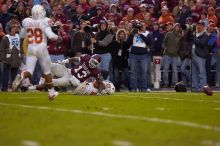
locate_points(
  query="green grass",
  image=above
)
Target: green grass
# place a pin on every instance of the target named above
(101, 120)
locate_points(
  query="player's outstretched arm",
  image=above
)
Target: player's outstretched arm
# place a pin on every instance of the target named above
(70, 60)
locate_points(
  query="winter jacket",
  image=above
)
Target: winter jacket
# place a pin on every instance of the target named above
(201, 45)
(171, 43)
(10, 51)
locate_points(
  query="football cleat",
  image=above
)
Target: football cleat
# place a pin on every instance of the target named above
(16, 82)
(53, 96)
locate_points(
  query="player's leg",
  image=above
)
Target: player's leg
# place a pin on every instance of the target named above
(25, 75)
(45, 64)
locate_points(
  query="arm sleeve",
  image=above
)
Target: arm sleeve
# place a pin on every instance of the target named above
(50, 34)
(106, 41)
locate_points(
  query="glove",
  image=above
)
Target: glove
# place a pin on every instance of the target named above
(62, 61)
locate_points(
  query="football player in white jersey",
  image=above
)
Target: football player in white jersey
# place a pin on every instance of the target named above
(91, 88)
(37, 28)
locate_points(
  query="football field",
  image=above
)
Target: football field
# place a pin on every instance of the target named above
(122, 119)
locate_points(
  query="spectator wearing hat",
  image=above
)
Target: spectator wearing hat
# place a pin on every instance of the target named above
(157, 55)
(212, 33)
(80, 15)
(130, 15)
(200, 52)
(113, 13)
(169, 27)
(171, 45)
(166, 16)
(102, 43)
(92, 10)
(211, 15)
(70, 10)
(99, 16)
(11, 55)
(14, 19)
(143, 10)
(5, 16)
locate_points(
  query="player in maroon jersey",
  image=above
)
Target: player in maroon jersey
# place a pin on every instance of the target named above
(87, 67)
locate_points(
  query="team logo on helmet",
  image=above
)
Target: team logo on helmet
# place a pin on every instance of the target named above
(95, 61)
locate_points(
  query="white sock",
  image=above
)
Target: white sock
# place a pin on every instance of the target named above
(31, 88)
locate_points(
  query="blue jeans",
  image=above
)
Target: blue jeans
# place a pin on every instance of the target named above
(106, 59)
(185, 73)
(167, 60)
(199, 78)
(139, 65)
(216, 59)
(55, 58)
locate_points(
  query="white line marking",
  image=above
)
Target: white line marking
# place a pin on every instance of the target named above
(121, 143)
(217, 109)
(29, 143)
(176, 99)
(130, 117)
(160, 108)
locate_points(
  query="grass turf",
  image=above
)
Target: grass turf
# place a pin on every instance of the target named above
(76, 120)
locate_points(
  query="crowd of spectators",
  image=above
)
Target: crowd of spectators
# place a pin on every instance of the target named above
(144, 44)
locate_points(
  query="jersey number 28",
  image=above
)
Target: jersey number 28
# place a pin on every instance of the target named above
(35, 35)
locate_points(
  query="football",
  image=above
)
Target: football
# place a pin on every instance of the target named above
(207, 90)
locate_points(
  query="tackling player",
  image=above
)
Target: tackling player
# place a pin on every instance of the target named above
(87, 67)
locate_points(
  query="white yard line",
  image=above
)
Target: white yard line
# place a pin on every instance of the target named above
(130, 117)
(175, 99)
(121, 143)
(29, 143)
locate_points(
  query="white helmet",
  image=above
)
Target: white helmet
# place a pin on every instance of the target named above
(109, 87)
(38, 11)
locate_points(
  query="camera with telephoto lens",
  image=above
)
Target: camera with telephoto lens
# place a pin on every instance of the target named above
(90, 29)
(55, 29)
(136, 26)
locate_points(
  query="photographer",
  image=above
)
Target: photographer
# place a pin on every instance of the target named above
(140, 41)
(102, 44)
(200, 52)
(58, 48)
(78, 38)
(185, 52)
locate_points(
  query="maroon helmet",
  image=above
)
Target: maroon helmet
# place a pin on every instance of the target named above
(95, 61)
